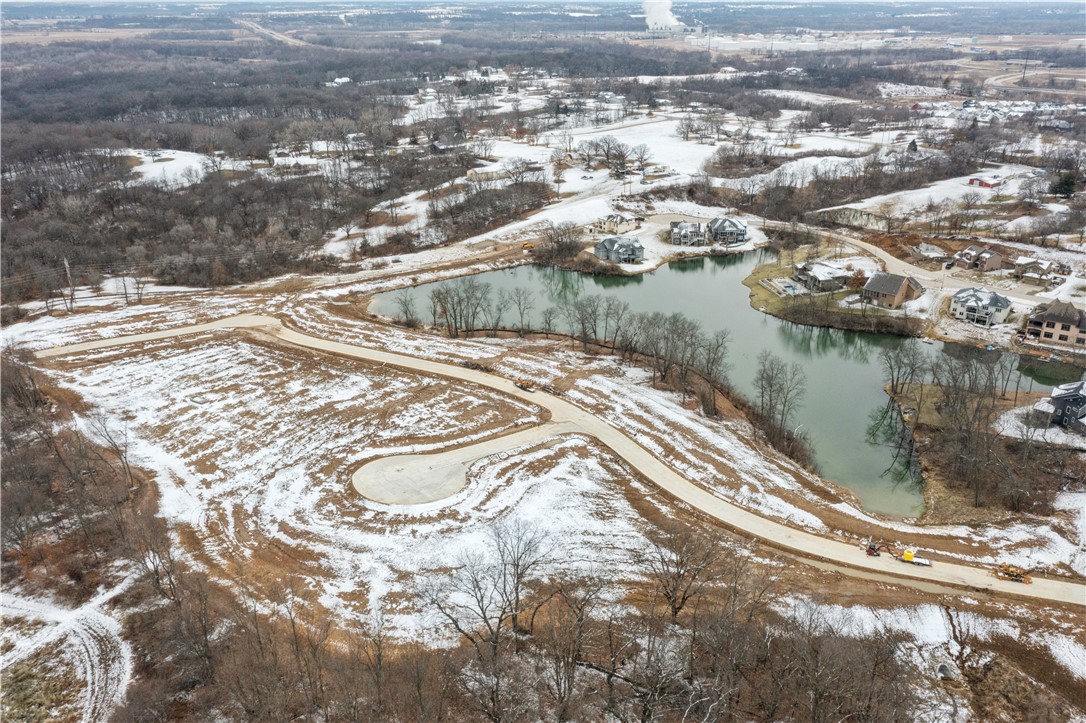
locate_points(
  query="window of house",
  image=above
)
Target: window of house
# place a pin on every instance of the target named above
(1080, 341)
(1051, 325)
(1065, 327)
(1063, 337)
(1048, 335)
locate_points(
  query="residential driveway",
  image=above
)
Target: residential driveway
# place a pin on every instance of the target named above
(572, 418)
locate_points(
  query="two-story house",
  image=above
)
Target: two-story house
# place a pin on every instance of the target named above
(1058, 322)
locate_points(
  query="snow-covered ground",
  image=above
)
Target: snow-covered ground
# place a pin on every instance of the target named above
(1012, 423)
(807, 97)
(951, 189)
(937, 634)
(251, 444)
(89, 638)
(797, 173)
(901, 90)
(171, 169)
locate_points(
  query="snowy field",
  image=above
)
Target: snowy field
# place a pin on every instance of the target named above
(254, 446)
(951, 189)
(938, 635)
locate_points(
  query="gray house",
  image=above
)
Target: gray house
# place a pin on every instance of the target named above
(980, 306)
(728, 231)
(1066, 407)
(620, 249)
(687, 233)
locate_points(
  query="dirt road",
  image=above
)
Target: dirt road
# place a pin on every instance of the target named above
(571, 417)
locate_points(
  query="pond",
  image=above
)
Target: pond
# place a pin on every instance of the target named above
(844, 375)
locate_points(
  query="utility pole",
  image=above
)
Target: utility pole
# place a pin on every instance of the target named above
(71, 287)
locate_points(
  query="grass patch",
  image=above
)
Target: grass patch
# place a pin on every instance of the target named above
(42, 687)
(761, 296)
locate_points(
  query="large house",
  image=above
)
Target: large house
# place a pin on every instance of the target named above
(1058, 322)
(620, 249)
(891, 290)
(822, 275)
(982, 259)
(728, 231)
(1033, 271)
(687, 233)
(980, 306)
(1066, 406)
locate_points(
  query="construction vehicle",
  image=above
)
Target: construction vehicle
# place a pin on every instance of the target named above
(910, 557)
(527, 245)
(876, 549)
(524, 384)
(1007, 571)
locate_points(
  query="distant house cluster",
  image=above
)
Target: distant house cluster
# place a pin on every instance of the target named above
(980, 306)
(890, 291)
(1058, 322)
(1028, 269)
(726, 231)
(620, 249)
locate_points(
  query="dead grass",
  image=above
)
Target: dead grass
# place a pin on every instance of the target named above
(44, 686)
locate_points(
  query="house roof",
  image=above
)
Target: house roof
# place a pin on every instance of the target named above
(1060, 311)
(884, 283)
(1069, 390)
(824, 270)
(1045, 405)
(982, 297)
(621, 243)
(727, 223)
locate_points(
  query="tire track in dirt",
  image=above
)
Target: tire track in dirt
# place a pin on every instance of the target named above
(92, 637)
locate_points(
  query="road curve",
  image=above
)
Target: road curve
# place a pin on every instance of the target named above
(743, 521)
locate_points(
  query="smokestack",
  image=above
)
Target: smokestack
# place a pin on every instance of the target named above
(658, 14)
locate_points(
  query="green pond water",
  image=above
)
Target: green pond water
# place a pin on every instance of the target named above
(844, 375)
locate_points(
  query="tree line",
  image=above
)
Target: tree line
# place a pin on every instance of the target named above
(960, 401)
(675, 348)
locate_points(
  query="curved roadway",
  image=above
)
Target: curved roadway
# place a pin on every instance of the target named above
(574, 418)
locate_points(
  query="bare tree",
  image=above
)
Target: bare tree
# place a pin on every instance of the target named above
(524, 303)
(680, 563)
